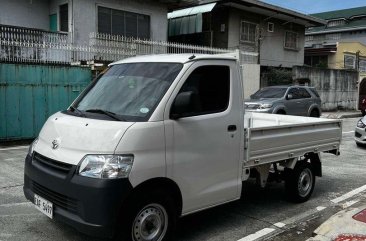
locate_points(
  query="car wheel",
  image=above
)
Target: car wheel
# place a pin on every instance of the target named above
(314, 113)
(300, 182)
(149, 216)
(281, 112)
(363, 112)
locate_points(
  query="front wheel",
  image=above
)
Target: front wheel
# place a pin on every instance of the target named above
(150, 216)
(314, 113)
(300, 182)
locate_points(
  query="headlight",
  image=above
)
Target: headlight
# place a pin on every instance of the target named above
(106, 166)
(265, 106)
(360, 124)
(32, 146)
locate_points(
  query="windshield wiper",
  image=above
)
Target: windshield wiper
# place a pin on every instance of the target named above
(107, 113)
(76, 110)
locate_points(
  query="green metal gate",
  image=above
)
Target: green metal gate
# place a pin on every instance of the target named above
(29, 94)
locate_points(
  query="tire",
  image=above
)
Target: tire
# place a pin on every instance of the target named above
(360, 145)
(281, 112)
(300, 182)
(314, 113)
(363, 112)
(147, 216)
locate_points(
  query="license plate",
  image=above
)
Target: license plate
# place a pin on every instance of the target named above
(46, 207)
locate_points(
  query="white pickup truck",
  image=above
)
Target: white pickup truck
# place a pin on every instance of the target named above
(159, 137)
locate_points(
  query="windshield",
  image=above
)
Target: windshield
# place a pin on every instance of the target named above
(129, 91)
(269, 93)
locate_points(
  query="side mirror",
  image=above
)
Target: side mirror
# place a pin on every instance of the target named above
(289, 97)
(182, 105)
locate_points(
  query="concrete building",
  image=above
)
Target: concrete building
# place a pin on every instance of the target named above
(275, 34)
(340, 43)
(79, 18)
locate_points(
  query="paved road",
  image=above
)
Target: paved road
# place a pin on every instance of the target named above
(260, 210)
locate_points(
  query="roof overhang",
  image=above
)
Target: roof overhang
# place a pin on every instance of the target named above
(326, 50)
(192, 10)
(335, 30)
(275, 12)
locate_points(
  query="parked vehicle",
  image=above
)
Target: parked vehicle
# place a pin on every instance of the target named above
(160, 137)
(286, 100)
(360, 132)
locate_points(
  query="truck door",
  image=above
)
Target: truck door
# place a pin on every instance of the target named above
(203, 147)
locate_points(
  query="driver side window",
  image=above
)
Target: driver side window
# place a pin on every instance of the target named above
(210, 87)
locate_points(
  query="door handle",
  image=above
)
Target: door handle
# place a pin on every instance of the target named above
(231, 128)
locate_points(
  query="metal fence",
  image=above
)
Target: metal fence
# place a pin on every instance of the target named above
(32, 46)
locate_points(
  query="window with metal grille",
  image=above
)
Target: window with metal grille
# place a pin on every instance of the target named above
(124, 23)
(362, 65)
(64, 18)
(336, 23)
(291, 40)
(248, 32)
(349, 61)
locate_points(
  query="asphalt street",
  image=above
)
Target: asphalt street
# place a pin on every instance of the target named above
(260, 214)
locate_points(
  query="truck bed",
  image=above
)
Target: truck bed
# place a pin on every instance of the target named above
(270, 138)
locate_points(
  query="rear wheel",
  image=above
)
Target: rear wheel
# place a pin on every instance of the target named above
(300, 182)
(149, 216)
(281, 112)
(314, 113)
(360, 144)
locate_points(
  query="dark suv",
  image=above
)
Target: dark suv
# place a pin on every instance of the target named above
(286, 100)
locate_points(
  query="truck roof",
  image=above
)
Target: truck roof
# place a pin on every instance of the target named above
(176, 58)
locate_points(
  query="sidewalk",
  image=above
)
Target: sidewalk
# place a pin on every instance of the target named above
(346, 225)
(341, 114)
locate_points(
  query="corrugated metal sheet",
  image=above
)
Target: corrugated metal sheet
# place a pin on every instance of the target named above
(29, 94)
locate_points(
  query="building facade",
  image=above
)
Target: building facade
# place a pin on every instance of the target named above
(273, 36)
(79, 18)
(341, 43)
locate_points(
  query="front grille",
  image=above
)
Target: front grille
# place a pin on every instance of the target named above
(51, 164)
(358, 135)
(57, 199)
(252, 106)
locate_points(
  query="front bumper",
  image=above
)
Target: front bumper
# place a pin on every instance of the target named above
(360, 135)
(270, 110)
(90, 205)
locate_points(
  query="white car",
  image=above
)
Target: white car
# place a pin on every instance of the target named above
(360, 132)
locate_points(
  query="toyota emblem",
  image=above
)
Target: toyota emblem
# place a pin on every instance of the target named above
(55, 144)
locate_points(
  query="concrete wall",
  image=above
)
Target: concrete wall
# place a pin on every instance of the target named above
(25, 13)
(251, 79)
(337, 88)
(272, 51)
(84, 20)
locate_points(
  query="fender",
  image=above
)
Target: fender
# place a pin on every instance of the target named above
(314, 106)
(279, 107)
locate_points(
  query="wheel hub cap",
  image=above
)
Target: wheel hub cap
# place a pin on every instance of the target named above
(150, 224)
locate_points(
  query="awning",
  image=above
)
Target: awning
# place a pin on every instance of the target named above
(189, 20)
(192, 11)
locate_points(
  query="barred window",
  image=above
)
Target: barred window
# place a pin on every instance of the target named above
(248, 32)
(124, 23)
(349, 61)
(291, 40)
(362, 65)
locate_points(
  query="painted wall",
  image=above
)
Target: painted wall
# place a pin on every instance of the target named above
(337, 88)
(336, 61)
(272, 51)
(29, 94)
(84, 20)
(25, 13)
(251, 79)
